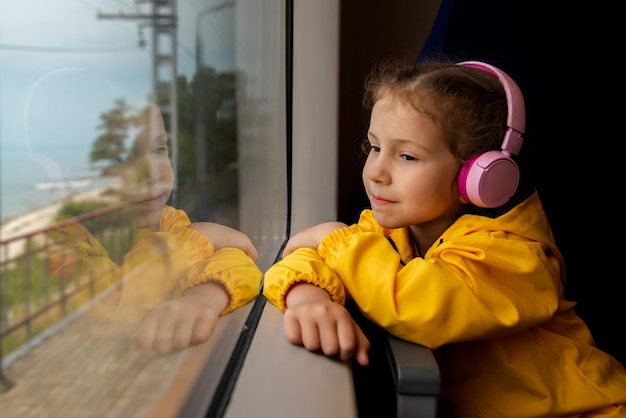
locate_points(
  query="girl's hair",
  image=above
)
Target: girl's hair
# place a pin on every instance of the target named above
(467, 104)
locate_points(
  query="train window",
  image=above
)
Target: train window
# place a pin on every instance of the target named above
(97, 96)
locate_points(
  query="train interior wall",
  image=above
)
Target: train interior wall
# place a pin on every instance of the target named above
(565, 61)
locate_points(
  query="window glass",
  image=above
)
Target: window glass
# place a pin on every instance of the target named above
(96, 95)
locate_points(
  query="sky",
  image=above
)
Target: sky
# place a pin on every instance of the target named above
(61, 67)
(57, 44)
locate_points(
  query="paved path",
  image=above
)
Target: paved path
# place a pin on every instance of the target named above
(82, 371)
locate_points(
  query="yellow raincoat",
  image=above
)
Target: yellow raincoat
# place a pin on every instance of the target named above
(165, 260)
(487, 297)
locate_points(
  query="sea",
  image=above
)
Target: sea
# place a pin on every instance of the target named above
(30, 181)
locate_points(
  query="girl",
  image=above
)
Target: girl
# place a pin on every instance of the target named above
(176, 277)
(455, 254)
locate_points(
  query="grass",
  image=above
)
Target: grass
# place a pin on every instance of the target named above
(41, 299)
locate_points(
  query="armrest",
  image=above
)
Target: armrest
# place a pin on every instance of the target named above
(416, 376)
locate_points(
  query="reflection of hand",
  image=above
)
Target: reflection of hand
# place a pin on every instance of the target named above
(311, 237)
(317, 323)
(222, 236)
(178, 323)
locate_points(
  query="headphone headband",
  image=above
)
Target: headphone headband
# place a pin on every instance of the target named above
(516, 119)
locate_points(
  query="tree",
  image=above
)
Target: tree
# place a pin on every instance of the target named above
(111, 145)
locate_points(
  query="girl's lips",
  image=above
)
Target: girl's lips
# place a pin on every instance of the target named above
(380, 201)
(154, 200)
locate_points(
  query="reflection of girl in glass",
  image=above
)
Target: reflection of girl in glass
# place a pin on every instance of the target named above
(176, 277)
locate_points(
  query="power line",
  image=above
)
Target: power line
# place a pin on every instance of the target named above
(67, 49)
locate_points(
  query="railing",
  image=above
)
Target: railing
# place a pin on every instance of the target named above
(34, 301)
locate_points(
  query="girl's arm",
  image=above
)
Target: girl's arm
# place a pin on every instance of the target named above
(312, 297)
(311, 237)
(460, 291)
(222, 236)
(211, 288)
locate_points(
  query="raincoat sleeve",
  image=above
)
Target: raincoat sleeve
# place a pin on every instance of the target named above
(166, 263)
(479, 285)
(234, 269)
(302, 265)
(159, 263)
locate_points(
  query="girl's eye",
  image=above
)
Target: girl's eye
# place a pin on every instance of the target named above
(407, 157)
(374, 148)
(159, 151)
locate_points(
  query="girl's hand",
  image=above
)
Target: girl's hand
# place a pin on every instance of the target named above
(311, 237)
(179, 323)
(315, 322)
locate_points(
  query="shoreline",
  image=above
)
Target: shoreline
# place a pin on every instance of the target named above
(12, 229)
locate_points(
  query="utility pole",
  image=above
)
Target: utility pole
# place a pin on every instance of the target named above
(163, 20)
(204, 160)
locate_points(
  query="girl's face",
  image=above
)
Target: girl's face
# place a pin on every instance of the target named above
(410, 176)
(149, 177)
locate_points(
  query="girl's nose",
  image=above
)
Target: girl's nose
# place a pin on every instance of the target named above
(376, 169)
(147, 170)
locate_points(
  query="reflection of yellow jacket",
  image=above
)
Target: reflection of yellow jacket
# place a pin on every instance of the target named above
(487, 297)
(166, 259)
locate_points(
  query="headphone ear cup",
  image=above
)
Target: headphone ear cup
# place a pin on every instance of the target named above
(488, 180)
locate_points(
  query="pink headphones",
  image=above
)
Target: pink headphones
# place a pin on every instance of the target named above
(490, 179)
